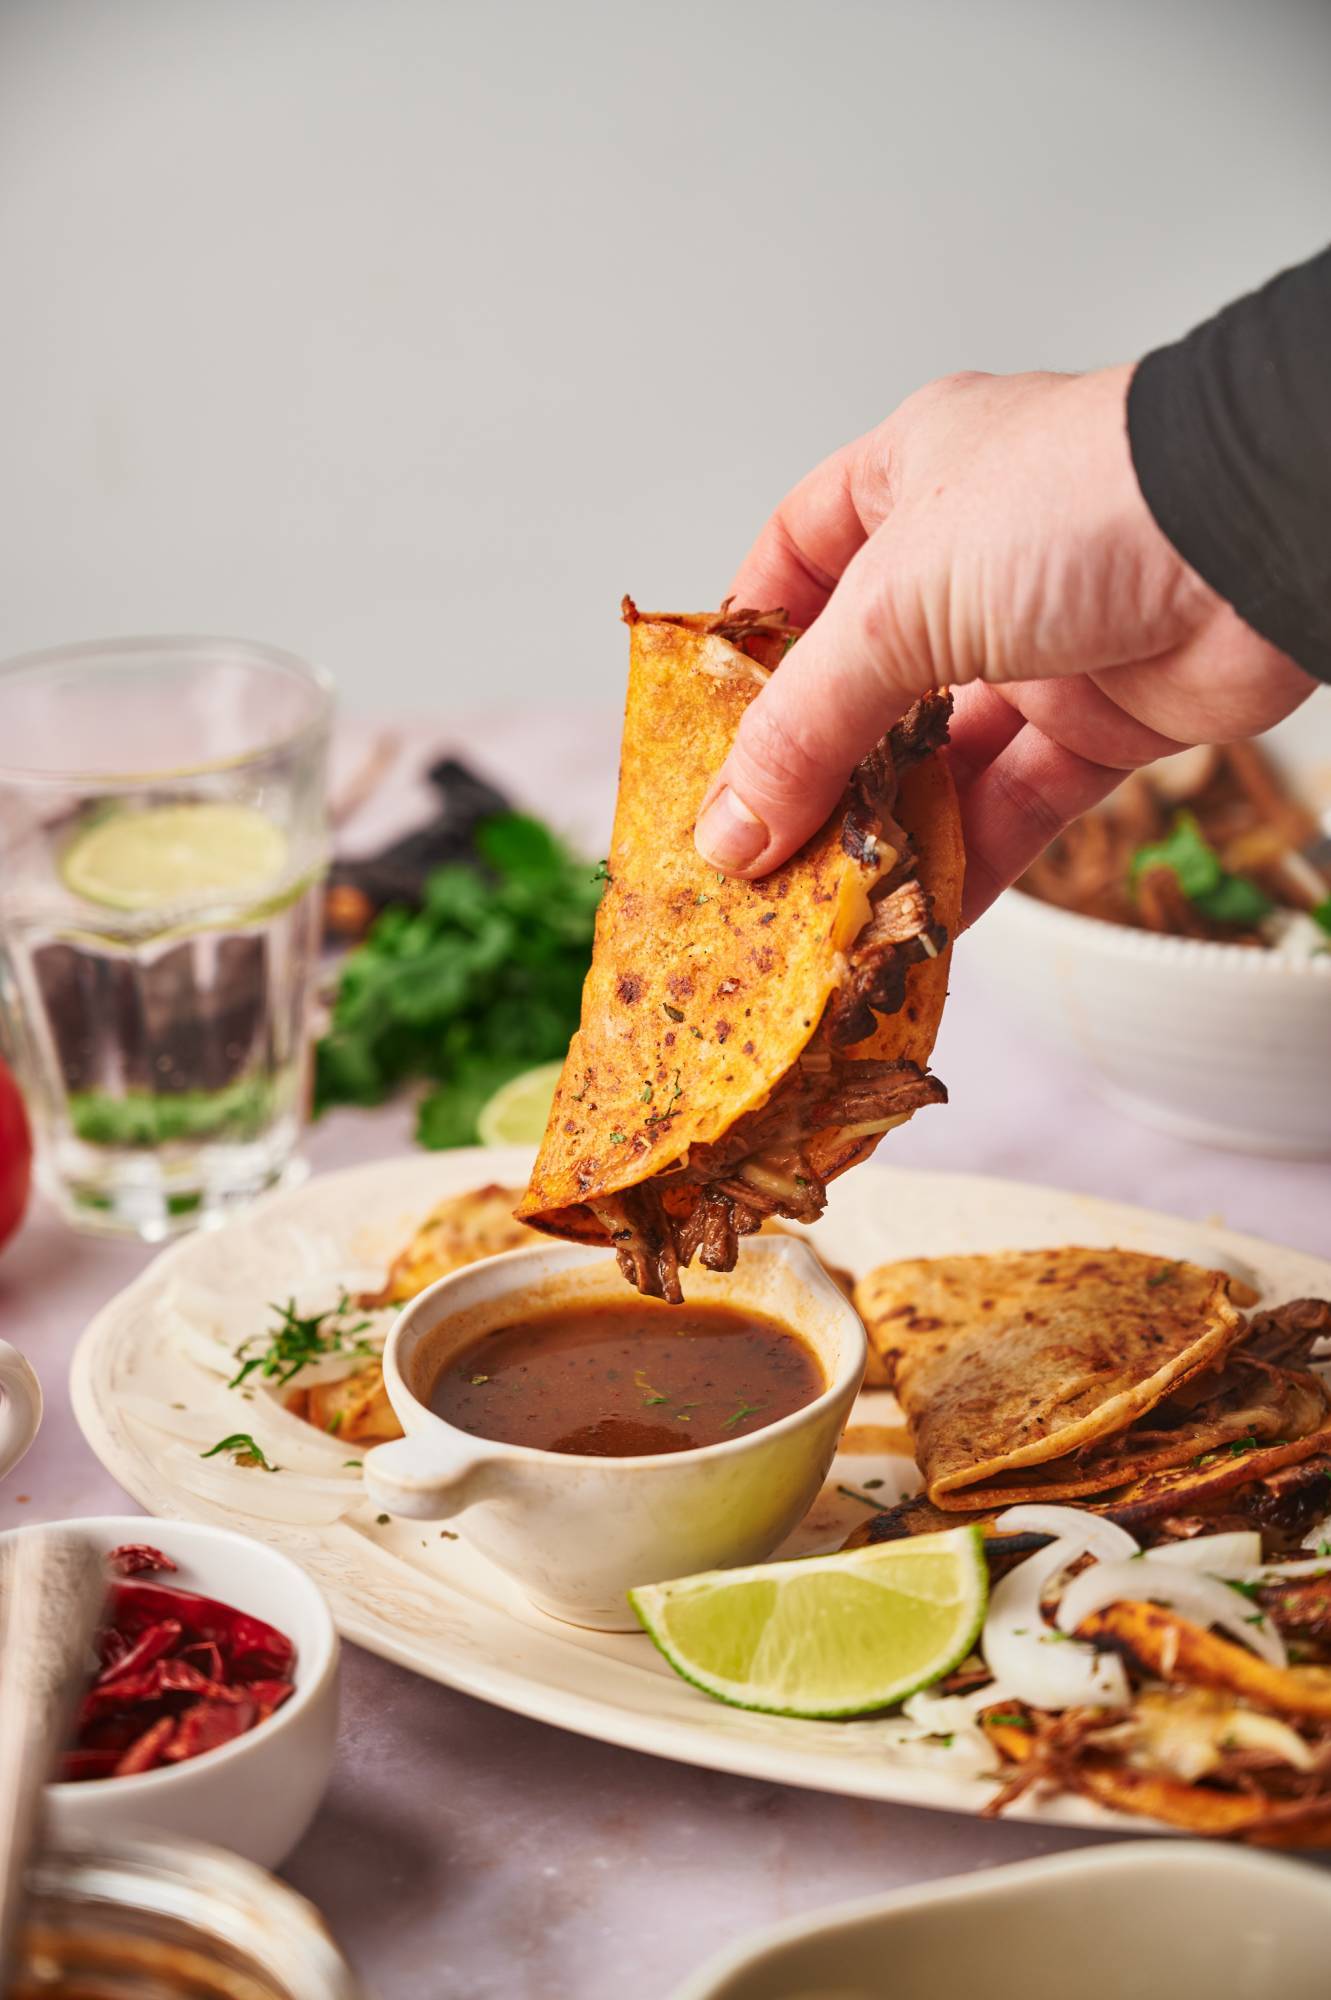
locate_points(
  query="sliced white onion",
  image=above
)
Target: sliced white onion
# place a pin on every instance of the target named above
(1319, 1535)
(1026, 1656)
(1092, 1533)
(1291, 1571)
(1233, 1554)
(939, 1713)
(1249, 1729)
(1202, 1599)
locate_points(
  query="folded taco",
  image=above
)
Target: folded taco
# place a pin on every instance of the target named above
(744, 1042)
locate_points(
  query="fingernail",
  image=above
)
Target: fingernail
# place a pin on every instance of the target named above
(728, 834)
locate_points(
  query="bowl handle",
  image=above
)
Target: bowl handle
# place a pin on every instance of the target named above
(21, 1409)
(426, 1480)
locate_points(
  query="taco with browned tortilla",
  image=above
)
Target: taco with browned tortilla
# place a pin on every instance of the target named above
(742, 1043)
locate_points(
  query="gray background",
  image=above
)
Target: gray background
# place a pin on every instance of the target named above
(409, 334)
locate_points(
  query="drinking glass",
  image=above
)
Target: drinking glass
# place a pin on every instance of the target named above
(162, 849)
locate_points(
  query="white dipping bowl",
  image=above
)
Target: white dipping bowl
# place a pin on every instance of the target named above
(578, 1532)
(257, 1794)
(1214, 1042)
(1153, 1920)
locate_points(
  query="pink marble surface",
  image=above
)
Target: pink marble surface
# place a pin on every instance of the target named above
(466, 1852)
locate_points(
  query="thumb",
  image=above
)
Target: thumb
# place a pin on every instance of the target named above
(834, 695)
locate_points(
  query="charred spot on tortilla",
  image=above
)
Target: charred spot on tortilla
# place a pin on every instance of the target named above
(841, 1005)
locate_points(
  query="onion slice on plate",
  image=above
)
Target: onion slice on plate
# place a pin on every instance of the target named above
(1237, 1553)
(1092, 1533)
(1203, 1599)
(1033, 1661)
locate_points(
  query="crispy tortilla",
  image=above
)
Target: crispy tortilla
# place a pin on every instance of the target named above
(1250, 1815)
(713, 1000)
(1175, 1649)
(460, 1230)
(1015, 1360)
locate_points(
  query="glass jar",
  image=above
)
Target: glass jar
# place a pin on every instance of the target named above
(144, 1918)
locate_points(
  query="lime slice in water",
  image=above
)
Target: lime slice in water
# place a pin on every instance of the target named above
(160, 855)
(829, 1635)
(519, 1111)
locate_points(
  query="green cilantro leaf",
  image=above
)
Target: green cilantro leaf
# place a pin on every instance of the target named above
(1200, 874)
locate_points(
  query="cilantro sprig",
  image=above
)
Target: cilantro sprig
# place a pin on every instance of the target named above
(299, 1339)
(484, 981)
(244, 1449)
(1201, 875)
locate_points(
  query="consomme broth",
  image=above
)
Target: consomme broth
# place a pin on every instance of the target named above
(617, 1378)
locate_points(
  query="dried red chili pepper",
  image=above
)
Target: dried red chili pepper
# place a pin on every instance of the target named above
(140, 1653)
(149, 1751)
(179, 1675)
(132, 1558)
(208, 1725)
(245, 1642)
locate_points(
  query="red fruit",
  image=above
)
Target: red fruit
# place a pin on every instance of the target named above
(15, 1156)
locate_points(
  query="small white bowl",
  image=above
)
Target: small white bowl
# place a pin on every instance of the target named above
(255, 1795)
(1220, 1043)
(578, 1532)
(1156, 1920)
(1214, 1042)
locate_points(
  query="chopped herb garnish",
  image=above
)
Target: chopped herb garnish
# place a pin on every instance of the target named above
(617, 1137)
(1258, 1618)
(696, 1033)
(737, 1417)
(1323, 1547)
(871, 1485)
(1002, 1719)
(675, 1013)
(1163, 1276)
(645, 1094)
(800, 1181)
(298, 1339)
(944, 1742)
(1321, 914)
(243, 1448)
(853, 1493)
(603, 872)
(352, 1464)
(1248, 1590)
(334, 1424)
(700, 899)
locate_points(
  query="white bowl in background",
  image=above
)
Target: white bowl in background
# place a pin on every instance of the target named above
(1154, 1920)
(1220, 1043)
(255, 1795)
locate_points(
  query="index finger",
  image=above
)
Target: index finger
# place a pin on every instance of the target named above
(797, 559)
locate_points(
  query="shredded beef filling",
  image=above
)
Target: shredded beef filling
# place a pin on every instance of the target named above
(761, 1167)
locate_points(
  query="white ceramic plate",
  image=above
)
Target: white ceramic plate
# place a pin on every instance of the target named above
(149, 1390)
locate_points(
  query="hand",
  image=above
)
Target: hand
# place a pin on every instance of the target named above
(990, 536)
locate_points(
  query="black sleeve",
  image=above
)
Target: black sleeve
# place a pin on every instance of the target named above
(1230, 432)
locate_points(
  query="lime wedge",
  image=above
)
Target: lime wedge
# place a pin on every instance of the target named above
(519, 1111)
(829, 1635)
(151, 858)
